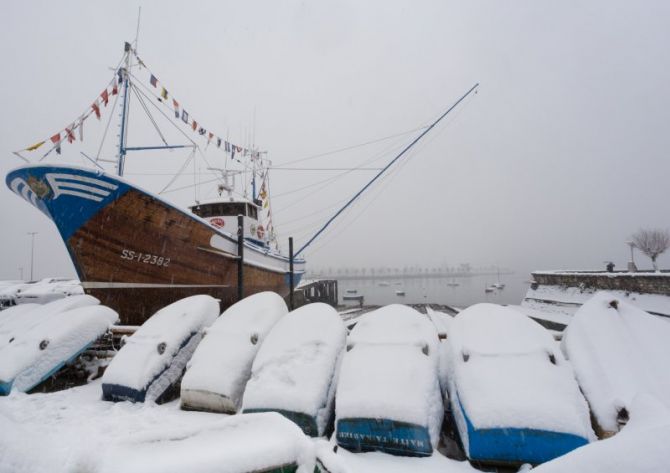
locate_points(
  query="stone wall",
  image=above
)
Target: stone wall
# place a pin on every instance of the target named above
(645, 283)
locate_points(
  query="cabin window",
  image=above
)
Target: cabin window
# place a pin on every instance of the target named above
(225, 209)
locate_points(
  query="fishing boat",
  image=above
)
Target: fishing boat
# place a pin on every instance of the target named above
(137, 252)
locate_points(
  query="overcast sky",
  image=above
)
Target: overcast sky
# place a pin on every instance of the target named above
(561, 155)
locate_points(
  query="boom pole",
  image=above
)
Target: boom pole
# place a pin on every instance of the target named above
(407, 148)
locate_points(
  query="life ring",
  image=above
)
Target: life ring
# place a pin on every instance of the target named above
(260, 231)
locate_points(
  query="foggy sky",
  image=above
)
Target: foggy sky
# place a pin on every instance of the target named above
(561, 155)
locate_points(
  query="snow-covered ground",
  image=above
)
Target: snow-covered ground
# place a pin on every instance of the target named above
(75, 431)
(563, 302)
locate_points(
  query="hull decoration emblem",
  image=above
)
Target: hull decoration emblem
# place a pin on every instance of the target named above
(79, 186)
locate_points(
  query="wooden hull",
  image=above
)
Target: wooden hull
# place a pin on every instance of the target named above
(136, 252)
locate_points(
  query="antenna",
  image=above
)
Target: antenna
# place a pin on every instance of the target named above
(137, 32)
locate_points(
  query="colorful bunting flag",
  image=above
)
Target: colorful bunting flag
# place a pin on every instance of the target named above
(35, 146)
(115, 89)
(56, 141)
(105, 97)
(202, 131)
(120, 74)
(195, 125)
(184, 116)
(153, 80)
(96, 109)
(164, 93)
(69, 133)
(227, 147)
(176, 108)
(209, 137)
(218, 142)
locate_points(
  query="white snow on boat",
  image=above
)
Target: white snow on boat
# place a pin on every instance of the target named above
(294, 370)
(39, 352)
(513, 395)
(15, 311)
(25, 321)
(617, 351)
(154, 357)
(388, 394)
(221, 365)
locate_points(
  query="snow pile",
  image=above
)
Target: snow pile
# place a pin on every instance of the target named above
(390, 370)
(294, 369)
(506, 371)
(343, 461)
(40, 351)
(154, 357)
(238, 444)
(22, 322)
(640, 447)
(221, 365)
(617, 351)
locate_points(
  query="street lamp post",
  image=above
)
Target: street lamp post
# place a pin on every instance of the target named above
(631, 264)
(32, 252)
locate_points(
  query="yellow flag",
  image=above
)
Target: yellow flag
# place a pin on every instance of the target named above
(35, 146)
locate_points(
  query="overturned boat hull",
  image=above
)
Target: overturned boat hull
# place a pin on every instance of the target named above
(384, 435)
(138, 253)
(516, 446)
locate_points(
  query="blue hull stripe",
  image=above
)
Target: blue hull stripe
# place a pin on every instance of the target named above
(515, 446)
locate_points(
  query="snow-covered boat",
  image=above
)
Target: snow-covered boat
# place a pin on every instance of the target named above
(617, 351)
(513, 395)
(40, 351)
(20, 321)
(293, 372)
(155, 356)
(48, 290)
(221, 365)
(388, 393)
(138, 252)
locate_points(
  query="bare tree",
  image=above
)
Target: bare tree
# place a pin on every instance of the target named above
(651, 242)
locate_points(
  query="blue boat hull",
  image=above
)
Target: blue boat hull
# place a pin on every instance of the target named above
(384, 435)
(516, 446)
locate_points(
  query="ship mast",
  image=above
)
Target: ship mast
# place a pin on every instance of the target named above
(124, 112)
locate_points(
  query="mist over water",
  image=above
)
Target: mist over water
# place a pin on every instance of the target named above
(436, 290)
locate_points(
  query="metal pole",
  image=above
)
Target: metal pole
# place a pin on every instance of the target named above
(240, 257)
(122, 135)
(290, 273)
(32, 252)
(407, 148)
